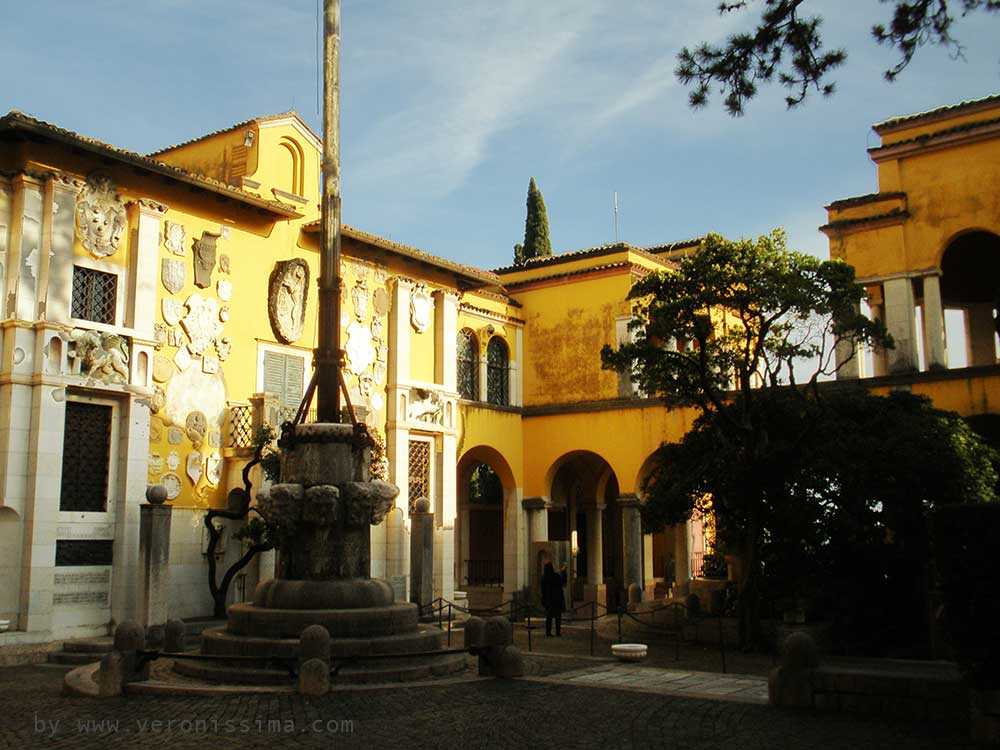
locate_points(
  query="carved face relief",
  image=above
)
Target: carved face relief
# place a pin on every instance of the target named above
(286, 301)
(173, 311)
(420, 308)
(377, 329)
(173, 461)
(204, 259)
(172, 483)
(173, 237)
(172, 274)
(157, 400)
(359, 298)
(100, 217)
(223, 346)
(360, 352)
(201, 322)
(163, 368)
(195, 427)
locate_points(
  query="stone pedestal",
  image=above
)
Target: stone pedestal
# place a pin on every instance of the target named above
(421, 554)
(154, 557)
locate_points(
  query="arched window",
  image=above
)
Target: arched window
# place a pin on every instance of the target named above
(497, 372)
(468, 365)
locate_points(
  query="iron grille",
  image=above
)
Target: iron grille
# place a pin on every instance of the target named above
(95, 295)
(86, 451)
(84, 552)
(240, 426)
(468, 365)
(420, 471)
(497, 373)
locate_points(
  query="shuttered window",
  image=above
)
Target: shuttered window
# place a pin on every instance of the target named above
(283, 376)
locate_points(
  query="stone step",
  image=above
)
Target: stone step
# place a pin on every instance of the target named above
(219, 641)
(100, 645)
(194, 627)
(73, 657)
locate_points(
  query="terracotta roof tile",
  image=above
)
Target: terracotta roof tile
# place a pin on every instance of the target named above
(906, 120)
(237, 126)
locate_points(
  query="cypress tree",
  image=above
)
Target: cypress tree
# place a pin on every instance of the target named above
(536, 228)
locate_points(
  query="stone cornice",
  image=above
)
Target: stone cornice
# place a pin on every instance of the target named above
(148, 205)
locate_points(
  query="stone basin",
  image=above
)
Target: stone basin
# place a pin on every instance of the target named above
(629, 651)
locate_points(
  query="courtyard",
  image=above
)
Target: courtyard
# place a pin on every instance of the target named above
(544, 709)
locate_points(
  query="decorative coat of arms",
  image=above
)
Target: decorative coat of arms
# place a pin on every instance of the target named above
(172, 274)
(100, 217)
(213, 468)
(173, 237)
(195, 465)
(201, 322)
(420, 308)
(225, 289)
(204, 258)
(359, 297)
(288, 291)
(360, 352)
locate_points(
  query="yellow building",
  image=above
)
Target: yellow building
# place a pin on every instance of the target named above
(927, 245)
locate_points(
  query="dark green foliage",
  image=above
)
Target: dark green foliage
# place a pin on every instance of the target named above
(965, 554)
(536, 228)
(713, 565)
(787, 45)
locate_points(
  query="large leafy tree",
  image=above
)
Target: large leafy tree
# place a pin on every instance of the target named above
(786, 44)
(536, 228)
(725, 332)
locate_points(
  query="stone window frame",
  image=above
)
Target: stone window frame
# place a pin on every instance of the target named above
(492, 369)
(473, 363)
(120, 294)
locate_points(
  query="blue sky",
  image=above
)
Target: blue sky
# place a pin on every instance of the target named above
(449, 107)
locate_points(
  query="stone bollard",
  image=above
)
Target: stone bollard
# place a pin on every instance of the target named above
(634, 596)
(491, 640)
(314, 661)
(118, 668)
(421, 554)
(791, 683)
(174, 636)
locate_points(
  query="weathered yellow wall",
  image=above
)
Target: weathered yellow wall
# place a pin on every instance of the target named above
(274, 170)
(212, 156)
(422, 351)
(496, 429)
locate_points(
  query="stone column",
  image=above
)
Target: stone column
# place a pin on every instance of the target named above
(445, 339)
(537, 509)
(682, 559)
(421, 554)
(154, 562)
(631, 539)
(980, 334)
(880, 356)
(396, 434)
(594, 590)
(144, 252)
(647, 566)
(935, 354)
(849, 359)
(900, 319)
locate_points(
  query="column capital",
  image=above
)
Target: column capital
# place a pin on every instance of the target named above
(536, 503)
(148, 206)
(629, 499)
(447, 295)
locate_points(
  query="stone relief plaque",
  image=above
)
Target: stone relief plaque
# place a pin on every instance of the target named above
(380, 301)
(173, 311)
(224, 288)
(157, 400)
(173, 460)
(379, 372)
(102, 356)
(377, 401)
(209, 364)
(204, 258)
(175, 337)
(155, 429)
(155, 463)
(163, 368)
(173, 237)
(194, 466)
(420, 308)
(175, 435)
(100, 217)
(224, 263)
(377, 329)
(159, 336)
(172, 483)
(213, 468)
(224, 313)
(359, 298)
(425, 406)
(182, 358)
(201, 322)
(382, 352)
(172, 274)
(288, 291)
(360, 352)
(195, 427)
(215, 439)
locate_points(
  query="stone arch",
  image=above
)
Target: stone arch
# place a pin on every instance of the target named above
(970, 282)
(487, 500)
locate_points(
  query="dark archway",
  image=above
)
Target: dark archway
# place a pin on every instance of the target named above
(970, 286)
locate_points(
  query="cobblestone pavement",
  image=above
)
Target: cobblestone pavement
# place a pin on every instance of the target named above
(473, 714)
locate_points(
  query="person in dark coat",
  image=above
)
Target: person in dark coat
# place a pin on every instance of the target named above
(552, 597)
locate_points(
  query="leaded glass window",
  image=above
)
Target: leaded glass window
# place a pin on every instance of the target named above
(497, 372)
(468, 365)
(419, 484)
(94, 295)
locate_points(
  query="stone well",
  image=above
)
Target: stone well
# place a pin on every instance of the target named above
(325, 507)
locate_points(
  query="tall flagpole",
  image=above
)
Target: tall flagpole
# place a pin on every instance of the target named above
(328, 353)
